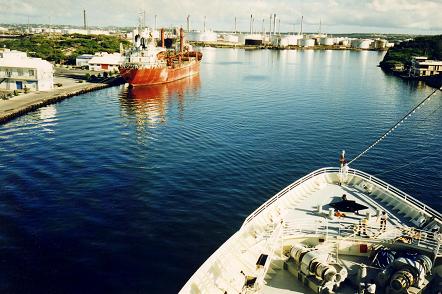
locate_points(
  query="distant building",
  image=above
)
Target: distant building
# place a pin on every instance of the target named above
(361, 43)
(421, 66)
(83, 60)
(18, 71)
(206, 36)
(105, 62)
(230, 38)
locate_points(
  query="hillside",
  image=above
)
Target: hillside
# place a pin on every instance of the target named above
(402, 53)
(63, 48)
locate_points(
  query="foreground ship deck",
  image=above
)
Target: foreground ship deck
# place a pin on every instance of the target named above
(294, 243)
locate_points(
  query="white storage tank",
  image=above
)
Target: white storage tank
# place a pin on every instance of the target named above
(207, 36)
(290, 40)
(241, 39)
(230, 38)
(327, 41)
(343, 42)
(361, 43)
(380, 44)
(284, 41)
(307, 42)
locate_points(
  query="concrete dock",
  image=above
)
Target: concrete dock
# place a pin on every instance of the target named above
(24, 103)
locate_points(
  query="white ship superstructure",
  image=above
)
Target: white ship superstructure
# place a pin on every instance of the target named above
(299, 242)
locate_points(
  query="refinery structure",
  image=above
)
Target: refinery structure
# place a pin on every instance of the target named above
(264, 33)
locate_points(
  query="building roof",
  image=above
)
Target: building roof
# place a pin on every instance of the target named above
(105, 58)
(85, 56)
(17, 59)
(431, 62)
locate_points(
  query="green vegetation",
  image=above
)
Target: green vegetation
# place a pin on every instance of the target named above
(401, 54)
(64, 49)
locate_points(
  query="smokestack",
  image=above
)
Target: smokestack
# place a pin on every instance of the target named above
(188, 23)
(279, 26)
(84, 19)
(270, 26)
(144, 19)
(235, 24)
(302, 19)
(181, 40)
(162, 37)
(274, 23)
(262, 32)
(251, 19)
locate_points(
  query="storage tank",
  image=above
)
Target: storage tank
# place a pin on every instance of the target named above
(380, 44)
(344, 42)
(207, 36)
(284, 41)
(307, 42)
(361, 43)
(230, 38)
(327, 41)
(241, 39)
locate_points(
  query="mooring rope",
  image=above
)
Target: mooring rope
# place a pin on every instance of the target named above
(382, 137)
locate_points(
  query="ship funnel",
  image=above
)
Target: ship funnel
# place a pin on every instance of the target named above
(162, 38)
(181, 40)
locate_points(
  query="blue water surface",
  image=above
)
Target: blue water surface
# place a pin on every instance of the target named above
(129, 191)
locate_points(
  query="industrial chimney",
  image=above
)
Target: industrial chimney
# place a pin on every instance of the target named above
(84, 19)
(188, 23)
(274, 24)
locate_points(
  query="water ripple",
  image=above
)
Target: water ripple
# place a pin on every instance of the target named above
(122, 185)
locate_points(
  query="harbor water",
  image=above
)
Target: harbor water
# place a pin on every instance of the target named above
(130, 191)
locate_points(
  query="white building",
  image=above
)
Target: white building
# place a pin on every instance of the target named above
(83, 60)
(206, 36)
(18, 71)
(421, 66)
(104, 61)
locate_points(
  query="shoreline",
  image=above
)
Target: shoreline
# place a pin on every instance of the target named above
(273, 47)
(431, 81)
(25, 103)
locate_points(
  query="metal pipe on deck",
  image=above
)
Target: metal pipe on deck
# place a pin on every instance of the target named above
(181, 40)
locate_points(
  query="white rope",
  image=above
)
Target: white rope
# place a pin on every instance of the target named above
(388, 132)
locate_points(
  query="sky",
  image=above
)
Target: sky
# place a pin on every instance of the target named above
(336, 16)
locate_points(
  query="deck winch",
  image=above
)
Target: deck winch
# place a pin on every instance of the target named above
(406, 272)
(312, 268)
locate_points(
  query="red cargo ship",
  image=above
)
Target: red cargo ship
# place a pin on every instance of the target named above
(147, 64)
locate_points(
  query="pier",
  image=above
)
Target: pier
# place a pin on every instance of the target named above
(24, 103)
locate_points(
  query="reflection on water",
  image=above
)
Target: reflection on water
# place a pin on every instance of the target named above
(149, 104)
(48, 113)
(48, 117)
(129, 176)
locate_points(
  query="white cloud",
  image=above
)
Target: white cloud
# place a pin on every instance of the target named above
(377, 15)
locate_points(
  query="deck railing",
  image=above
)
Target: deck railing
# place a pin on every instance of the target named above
(393, 235)
(367, 177)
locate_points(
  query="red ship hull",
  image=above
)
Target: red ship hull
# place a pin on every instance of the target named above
(154, 76)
